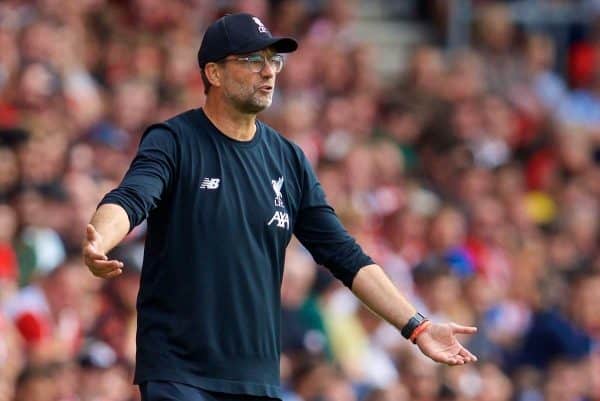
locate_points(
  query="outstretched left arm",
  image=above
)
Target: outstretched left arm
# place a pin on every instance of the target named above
(436, 340)
(320, 231)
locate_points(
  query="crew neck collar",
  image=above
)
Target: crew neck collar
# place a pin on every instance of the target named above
(227, 138)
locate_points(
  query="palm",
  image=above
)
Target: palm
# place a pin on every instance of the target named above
(439, 343)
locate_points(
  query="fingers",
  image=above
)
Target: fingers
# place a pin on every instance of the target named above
(467, 355)
(451, 360)
(464, 353)
(114, 273)
(99, 266)
(459, 329)
(106, 268)
(462, 357)
(106, 265)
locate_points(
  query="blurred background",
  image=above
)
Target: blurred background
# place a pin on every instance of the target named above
(458, 140)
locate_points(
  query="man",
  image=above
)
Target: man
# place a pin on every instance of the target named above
(223, 193)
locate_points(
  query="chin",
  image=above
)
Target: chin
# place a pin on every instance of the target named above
(257, 107)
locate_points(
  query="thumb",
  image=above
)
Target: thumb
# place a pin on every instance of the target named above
(460, 329)
(91, 233)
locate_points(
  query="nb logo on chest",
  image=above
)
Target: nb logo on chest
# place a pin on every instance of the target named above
(281, 219)
(210, 183)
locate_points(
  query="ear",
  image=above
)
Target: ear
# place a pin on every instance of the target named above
(213, 74)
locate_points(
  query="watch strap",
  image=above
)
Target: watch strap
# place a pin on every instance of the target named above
(412, 324)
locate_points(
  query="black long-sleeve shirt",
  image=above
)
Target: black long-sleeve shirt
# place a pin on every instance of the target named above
(220, 215)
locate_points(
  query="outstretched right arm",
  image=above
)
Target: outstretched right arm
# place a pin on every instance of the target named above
(141, 191)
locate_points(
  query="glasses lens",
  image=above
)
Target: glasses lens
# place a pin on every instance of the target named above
(256, 63)
(276, 62)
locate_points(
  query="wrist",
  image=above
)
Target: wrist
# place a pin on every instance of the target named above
(419, 330)
(416, 321)
(99, 244)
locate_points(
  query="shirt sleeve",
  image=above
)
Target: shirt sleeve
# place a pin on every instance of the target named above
(319, 229)
(149, 176)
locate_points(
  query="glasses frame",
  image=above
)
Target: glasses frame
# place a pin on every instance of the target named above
(249, 59)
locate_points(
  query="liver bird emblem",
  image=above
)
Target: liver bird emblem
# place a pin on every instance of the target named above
(277, 187)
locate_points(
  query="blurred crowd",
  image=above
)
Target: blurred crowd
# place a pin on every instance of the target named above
(472, 177)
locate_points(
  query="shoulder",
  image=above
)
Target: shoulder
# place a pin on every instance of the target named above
(182, 120)
(170, 130)
(159, 135)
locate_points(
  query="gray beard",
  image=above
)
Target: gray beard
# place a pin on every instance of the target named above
(252, 107)
(249, 105)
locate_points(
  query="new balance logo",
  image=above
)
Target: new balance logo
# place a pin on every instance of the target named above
(210, 183)
(282, 219)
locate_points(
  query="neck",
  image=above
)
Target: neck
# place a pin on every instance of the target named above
(230, 121)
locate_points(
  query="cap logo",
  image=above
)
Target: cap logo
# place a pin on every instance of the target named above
(261, 27)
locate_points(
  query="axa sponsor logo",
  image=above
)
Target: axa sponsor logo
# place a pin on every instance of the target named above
(281, 219)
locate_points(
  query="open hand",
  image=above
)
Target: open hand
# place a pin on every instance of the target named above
(95, 259)
(439, 343)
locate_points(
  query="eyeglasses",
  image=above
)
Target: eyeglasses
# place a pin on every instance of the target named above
(256, 62)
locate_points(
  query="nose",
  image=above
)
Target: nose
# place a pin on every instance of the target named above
(268, 70)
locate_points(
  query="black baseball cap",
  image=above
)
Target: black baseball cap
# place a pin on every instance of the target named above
(238, 34)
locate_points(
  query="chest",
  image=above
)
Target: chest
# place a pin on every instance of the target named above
(252, 188)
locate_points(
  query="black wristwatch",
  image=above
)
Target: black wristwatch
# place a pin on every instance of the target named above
(412, 324)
